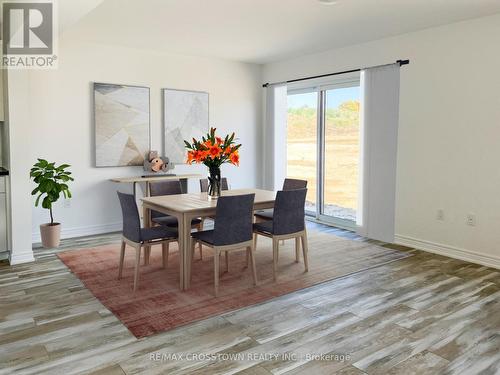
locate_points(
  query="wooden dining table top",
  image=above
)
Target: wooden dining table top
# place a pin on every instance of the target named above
(196, 202)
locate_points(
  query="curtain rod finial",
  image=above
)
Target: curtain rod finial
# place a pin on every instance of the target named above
(403, 62)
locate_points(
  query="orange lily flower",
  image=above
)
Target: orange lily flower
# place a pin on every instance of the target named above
(235, 158)
(199, 156)
(214, 151)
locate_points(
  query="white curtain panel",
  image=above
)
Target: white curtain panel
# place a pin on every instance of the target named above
(379, 139)
(274, 168)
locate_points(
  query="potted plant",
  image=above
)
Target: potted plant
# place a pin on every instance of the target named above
(213, 151)
(51, 181)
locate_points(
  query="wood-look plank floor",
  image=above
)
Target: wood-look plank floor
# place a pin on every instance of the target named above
(422, 314)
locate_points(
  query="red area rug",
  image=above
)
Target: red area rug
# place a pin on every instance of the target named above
(159, 305)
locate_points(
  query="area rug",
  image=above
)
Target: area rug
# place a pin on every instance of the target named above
(159, 305)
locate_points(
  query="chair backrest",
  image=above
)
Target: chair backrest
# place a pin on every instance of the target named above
(168, 187)
(288, 216)
(131, 219)
(204, 184)
(233, 219)
(294, 184)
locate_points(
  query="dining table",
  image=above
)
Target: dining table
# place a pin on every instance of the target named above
(186, 207)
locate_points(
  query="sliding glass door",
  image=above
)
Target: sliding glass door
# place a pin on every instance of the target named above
(302, 140)
(323, 147)
(341, 154)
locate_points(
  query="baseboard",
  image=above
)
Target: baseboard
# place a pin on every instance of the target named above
(82, 231)
(449, 251)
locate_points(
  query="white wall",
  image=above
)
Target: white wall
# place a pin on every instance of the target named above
(17, 128)
(61, 121)
(449, 131)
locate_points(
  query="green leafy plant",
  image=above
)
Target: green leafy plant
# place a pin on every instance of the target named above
(51, 181)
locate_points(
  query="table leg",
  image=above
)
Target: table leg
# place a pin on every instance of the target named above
(183, 249)
(147, 224)
(186, 250)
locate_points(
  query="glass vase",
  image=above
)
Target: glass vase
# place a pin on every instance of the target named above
(214, 183)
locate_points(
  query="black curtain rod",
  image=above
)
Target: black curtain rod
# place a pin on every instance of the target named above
(400, 62)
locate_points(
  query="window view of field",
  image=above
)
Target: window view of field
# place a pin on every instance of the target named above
(341, 149)
(301, 148)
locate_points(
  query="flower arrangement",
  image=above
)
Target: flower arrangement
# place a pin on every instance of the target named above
(213, 151)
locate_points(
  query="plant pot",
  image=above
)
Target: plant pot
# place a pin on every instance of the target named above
(51, 235)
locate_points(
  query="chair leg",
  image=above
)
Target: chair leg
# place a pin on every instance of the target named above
(297, 249)
(305, 251)
(277, 250)
(216, 272)
(254, 247)
(165, 249)
(275, 258)
(137, 266)
(200, 228)
(250, 250)
(147, 253)
(227, 261)
(122, 256)
(193, 244)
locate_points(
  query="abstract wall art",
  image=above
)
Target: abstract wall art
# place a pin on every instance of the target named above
(185, 115)
(122, 124)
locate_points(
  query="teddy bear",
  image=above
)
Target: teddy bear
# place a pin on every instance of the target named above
(155, 163)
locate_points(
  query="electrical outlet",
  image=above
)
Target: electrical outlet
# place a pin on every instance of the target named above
(67, 203)
(440, 215)
(471, 220)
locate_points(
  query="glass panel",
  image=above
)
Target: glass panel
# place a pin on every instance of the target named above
(302, 142)
(341, 161)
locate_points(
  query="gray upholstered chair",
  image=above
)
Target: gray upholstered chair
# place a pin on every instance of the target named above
(288, 222)
(137, 237)
(232, 231)
(294, 184)
(170, 187)
(204, 184)
(288, 184)
(204, 189)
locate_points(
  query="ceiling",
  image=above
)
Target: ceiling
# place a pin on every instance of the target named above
(70, 12)
(262, 31)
